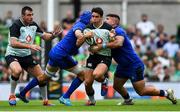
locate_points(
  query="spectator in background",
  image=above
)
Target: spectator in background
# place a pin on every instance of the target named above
(67, 22)
(43, 26)
(6, 73)
(176, 76)
(136, 39)
(160, 30)
(131, 30)
(150, 53)
(8, 19)
(171, 47)
(1, 22)
(144, 44)
(162, 41)
(145, 25)
(2, 49)
(177, 57)
(152, 40)
(158, 71)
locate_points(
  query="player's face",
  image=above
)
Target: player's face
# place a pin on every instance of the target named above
(96, 18)
(28, 17)
(109, 20)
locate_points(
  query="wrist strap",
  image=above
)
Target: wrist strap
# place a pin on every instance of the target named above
(104, 45)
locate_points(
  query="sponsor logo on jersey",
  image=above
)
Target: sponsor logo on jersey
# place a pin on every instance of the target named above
(99, 40)
(89, 64)
(28, 38)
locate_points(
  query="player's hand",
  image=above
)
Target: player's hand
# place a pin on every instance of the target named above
(57, 31)
(89, 34)
(35, 47)
(94, 49)
(112, 35)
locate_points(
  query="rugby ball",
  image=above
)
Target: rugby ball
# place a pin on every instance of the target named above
(89, 41)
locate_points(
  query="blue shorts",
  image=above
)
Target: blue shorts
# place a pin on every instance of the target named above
(61, 59)
(134, 72)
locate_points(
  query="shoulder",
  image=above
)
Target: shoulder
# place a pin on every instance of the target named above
(17, 23)
(119, 29)
(34, 24)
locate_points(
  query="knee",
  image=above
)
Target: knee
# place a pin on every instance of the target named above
(96, 75)
(88, 83)
(17, 72)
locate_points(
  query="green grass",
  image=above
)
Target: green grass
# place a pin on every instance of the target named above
(102, 105)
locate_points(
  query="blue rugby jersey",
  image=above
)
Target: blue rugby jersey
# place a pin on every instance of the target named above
(68, 43)
(125, 55)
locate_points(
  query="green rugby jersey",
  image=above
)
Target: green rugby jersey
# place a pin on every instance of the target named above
(24, 34)
(101, 35)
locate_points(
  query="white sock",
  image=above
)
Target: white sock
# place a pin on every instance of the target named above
(165, 93)
(91, 98)
(13, 86)
(44, 92)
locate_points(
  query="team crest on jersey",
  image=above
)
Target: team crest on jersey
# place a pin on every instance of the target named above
(99, 40)
(28, 38)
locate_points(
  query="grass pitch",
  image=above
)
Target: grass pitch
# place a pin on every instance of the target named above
(102, 105)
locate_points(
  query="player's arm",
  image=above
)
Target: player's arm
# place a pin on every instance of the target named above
(116, 43)
(16, 44)
(14, 41)
(52, 35)
(81, 38)
(49, 35)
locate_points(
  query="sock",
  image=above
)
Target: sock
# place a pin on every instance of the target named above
(44, 92)
(163, 93)
(34, 82)
(91, 98)
(74, 85)
(126, 97)
(13, 82)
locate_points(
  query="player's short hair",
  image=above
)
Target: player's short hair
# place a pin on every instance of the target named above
(98, 10)
(26, 8)
(113, 15)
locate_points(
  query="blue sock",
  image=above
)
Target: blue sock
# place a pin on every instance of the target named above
(74, 85)
(162, 93)
(34, 82)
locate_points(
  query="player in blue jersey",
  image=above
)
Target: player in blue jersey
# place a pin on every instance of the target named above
(129, 66)
(60, 56)
(98, 63)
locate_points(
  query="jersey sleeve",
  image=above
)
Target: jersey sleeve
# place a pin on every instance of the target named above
(14, 30)
(38, 29)
(78, 26)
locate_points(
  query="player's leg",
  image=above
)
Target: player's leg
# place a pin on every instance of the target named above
(99, 75)
(42, 79)
(99, 72)
(118, 85)
(70, 65)
(37, 71)
(150, 90)
(120, 78)
(16, 70)
(89, 79)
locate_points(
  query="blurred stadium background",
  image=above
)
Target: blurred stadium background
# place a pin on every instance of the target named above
(158, 48)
